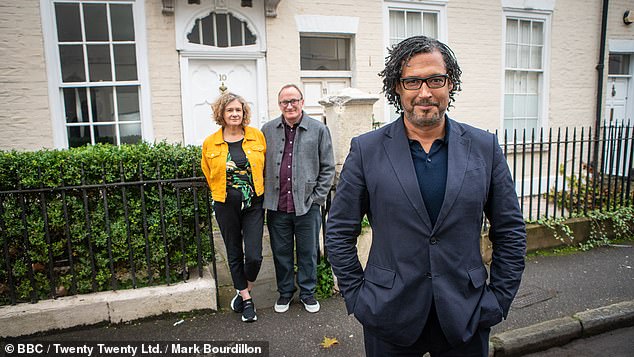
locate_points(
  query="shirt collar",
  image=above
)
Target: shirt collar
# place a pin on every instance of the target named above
(296, 125)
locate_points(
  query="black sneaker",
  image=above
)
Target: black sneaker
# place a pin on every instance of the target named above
(310, 304)
(248, 311)
(282, 304)
(236, 302)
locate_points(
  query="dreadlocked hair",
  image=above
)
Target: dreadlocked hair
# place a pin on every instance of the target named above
(401, 53)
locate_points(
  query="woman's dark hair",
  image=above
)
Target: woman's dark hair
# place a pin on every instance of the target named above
(401, 53)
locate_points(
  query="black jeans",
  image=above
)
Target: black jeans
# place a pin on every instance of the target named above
(239, 227)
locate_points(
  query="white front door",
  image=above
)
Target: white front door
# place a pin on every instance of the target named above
(317, 88)
(207, 78)
(616, 114)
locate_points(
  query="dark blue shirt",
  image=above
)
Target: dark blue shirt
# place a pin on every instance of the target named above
(431, 172)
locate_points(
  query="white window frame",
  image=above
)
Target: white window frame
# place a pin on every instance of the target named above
(438, 6)
(329, 27)
(54, 75)
(544, 84)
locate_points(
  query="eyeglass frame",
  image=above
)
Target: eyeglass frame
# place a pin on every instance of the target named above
(293, 102)
(424, 80)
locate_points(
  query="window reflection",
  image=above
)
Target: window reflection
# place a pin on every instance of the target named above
(325, 54)
(89, 86)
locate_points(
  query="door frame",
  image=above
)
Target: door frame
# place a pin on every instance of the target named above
(618, 46)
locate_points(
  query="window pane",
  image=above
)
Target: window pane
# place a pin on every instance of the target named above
(125, 62)
(397, 26)
(102, 104)
(536, 57)
(194, 36)
(75, 105)
(72, 63)
(122, 22)
(509, 82)
(221, 30)
(508, 106)
(99, 63)
(324, 54)
(430, 23)
(619, 64)
(532, 82)
(68, 22)
(130, 133)
(249, 37)
(525, 32)
(208, 31)
(511, 31)
(531, 124)
(413, 24)
(532, 106)
(78, 136)
(105, 134)
(511, 56)
(95, 22)
(521, 83)
(538, 33)
(128, 103)
(523, 56)
(236, 32)
(519, 105)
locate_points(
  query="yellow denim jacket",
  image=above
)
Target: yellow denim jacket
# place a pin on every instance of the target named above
(214, 161)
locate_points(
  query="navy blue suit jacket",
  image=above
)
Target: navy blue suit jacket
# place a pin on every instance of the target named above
(412, 262)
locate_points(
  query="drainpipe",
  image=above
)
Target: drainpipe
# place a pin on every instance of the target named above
(600, 68)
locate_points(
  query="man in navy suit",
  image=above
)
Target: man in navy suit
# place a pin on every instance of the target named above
(425, 181)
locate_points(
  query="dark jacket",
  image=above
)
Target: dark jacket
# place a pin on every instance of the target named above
(411, 262)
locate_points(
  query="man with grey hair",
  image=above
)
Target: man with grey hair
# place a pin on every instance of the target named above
(299, 171)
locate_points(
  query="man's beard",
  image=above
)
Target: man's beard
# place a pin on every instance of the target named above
(423, 119)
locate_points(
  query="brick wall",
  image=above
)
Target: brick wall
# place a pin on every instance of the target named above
(283, 44)
(164, 71)
(24, 106)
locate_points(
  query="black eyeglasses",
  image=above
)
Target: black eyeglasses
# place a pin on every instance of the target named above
(292, 102)
(433, 82)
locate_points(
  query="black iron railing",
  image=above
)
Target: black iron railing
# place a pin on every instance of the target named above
(67, 240)
(563, 172)
(104, 236)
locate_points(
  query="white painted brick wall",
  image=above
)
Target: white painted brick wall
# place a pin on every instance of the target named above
(283, 44)
(576, 33)
(475, 34)
(164, 71)
(24, 112)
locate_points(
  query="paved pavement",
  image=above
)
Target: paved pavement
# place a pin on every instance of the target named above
(553, 289)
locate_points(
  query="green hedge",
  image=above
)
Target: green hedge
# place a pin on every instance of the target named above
(22, 216)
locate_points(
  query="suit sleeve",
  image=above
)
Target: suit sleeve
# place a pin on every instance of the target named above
(349, 206)
(507, 232)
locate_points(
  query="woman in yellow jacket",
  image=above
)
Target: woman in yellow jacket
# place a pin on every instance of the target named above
(233, 163)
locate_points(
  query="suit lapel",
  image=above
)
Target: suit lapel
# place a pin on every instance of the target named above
(457, 160)
(398, 152)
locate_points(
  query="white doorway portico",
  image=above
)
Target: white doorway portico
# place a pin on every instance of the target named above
(222, 47)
